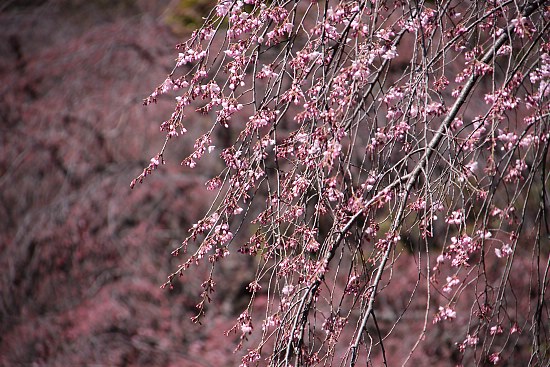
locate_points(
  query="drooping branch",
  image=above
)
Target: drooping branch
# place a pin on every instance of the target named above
(341, 132)
(423, 163)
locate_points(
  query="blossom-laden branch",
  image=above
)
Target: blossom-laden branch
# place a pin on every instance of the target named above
(360, 126)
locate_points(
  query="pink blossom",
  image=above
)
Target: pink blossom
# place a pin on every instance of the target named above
(504, 251)
(445, 313)
(494, 358)
(451, 282)
(471, 340)
(456, 217)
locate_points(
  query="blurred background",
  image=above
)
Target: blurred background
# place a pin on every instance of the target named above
(82, 255)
